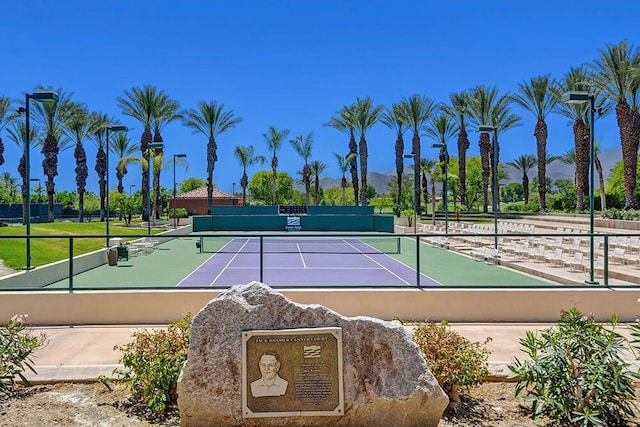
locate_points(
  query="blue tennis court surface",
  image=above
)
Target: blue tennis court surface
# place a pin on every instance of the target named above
(303, 262)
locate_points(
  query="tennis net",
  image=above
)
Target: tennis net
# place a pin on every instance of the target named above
(301, 245)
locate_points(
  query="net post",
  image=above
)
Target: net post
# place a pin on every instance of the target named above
(398, 245)
(71, 264)
(261, 259)
(418, 261)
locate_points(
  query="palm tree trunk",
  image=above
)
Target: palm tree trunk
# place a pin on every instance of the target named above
(415, 149)
(463, 146)
(541, 134)
(581, 141)
(525, 187)
(145, 140)
(425, 189)
(22, 170)
(274, 177)
(603, 195)
(629, 141)
(399, 171)
(353, 148)
(485, 148)
(212, 157)
(363, 170)
(50, 151)
(244, 181)
(344, 190)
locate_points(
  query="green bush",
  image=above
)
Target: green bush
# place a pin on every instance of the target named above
(576, 374)
(455, 361)
(17, 345)
(153, 362)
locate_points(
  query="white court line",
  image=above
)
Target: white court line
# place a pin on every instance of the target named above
(308, 268)
(204, 262)
(376, 262)
(230, 261)
(304, 265)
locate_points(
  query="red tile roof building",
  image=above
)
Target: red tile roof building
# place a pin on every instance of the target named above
(195, 201)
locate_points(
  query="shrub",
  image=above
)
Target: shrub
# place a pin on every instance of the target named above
(153, 362)
(454, 360)
(17, 345)
(576, 374)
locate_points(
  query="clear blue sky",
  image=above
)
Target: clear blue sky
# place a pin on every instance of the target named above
(293, 64)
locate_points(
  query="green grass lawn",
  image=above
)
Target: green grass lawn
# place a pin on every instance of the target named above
(52, 249)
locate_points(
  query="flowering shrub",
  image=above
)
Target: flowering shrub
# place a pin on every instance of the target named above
(454, 360)
(17, 345)
(153, 362)
(576, 373)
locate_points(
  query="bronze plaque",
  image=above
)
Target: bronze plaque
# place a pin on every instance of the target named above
(292, 372)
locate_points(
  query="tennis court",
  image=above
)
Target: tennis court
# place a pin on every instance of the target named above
(303, 262)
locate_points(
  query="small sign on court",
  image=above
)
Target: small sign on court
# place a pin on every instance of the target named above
(292, 372)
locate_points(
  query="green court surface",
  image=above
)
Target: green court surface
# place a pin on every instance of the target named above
(172, 260)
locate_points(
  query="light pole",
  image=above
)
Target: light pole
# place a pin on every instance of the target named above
(415, 197)
(233, 191)
(37, 96)
(152, 146)
(444, 186)
(175, 156)
(494, 191)
(130, 187)
(581, 98)
(112, 129)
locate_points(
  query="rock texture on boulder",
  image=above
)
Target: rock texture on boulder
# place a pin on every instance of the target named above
(386, 379)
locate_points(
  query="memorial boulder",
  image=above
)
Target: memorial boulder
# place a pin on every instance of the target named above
(258, 359)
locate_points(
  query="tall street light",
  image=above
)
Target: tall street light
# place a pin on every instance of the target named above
(581, 98)
(415, 197)
(130, 187)
(36, 96)
(494, 191)
(175, 156)
(152, 146)
(112, 129)
(444, 186)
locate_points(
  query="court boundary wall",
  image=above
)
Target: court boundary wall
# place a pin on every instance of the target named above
(453, 305)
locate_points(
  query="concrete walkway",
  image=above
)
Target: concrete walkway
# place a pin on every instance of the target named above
(83, 353)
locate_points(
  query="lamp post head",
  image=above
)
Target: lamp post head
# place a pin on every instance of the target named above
(439, 146)
(409, 156)
(487, 128)
(118, 128)
(179, 156)
(45, 95)
(575, 97)
(156, 145)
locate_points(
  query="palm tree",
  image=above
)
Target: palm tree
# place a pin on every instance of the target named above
(345, 122)
(211, 120)
(575, 80)
(442, 129)
(141, 105)
(18, 134)
(317, 167)
(5, 104)
(122, 147)
(77, 126)
(99, 123)
(247, 157)
(51, 115)
(366, 115)
(486, 108)
(303, 148)
(523, 164)
(427, 170)
(274, 138)
(416, 111)
(165, 111)
(343, 164)
(613, 74)
(458, 111)
(10, 183)
(392, 118)
(536, 96)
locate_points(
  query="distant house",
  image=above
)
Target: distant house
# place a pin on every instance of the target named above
(195, 201)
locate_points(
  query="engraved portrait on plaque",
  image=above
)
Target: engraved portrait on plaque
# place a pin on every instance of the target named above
(292, 372)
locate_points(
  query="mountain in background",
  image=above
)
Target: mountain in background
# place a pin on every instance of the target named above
(555, 170)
